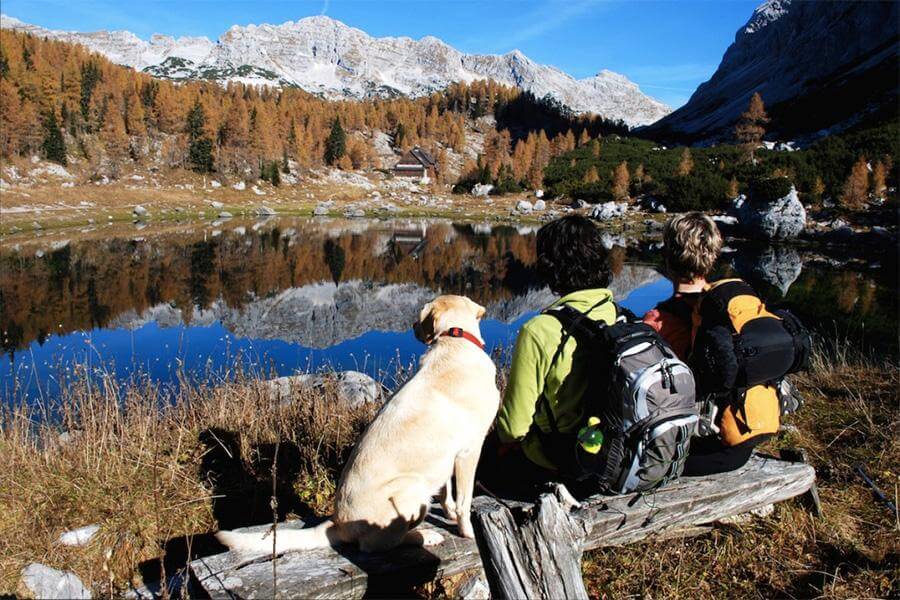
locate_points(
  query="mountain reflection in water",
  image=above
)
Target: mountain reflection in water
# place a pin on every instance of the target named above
(289, 294)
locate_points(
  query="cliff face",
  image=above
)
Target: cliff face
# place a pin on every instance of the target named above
(817, 66)
(327, 57)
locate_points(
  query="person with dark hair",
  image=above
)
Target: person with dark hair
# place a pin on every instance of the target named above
(542, 405)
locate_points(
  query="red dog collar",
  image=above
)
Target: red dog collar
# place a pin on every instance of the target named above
(457, 332)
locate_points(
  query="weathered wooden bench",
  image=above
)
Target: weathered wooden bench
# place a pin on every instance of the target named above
(526, 550)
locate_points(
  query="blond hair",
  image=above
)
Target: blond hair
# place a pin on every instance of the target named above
(692, 245)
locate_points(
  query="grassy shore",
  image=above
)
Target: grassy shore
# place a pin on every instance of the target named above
(159, 477)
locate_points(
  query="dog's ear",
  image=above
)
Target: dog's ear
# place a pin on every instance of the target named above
(479, 309)
(424, 327)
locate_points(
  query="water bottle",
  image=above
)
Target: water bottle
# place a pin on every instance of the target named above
(590, 437)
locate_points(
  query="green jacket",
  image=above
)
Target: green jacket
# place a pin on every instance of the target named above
(562, 385)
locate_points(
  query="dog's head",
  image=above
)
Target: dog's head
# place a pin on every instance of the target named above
(445, 312)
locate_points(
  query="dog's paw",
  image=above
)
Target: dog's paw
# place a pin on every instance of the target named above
(430, 537)
(449, 509)
(465, 529)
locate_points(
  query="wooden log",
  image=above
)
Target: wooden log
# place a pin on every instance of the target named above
(606, 521)
(336, 573)
(535, 553)
(691, 501)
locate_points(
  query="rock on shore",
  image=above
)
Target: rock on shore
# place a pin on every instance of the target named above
(781, 219)
(353, 388)
(46, 582)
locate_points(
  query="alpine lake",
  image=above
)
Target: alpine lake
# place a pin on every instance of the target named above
(202, 301)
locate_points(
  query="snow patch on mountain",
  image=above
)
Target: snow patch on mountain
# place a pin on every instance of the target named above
(327, 57)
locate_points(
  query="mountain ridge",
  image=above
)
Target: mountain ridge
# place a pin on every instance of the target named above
(329, 58)
(820, 67)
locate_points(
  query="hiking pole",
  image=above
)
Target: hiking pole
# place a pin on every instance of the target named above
(875, 489)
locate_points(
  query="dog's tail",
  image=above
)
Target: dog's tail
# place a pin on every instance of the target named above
(320, 536)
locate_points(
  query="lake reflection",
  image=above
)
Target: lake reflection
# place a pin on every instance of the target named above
(301, 294)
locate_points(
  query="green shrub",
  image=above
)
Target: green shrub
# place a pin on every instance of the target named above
(695, 192)
(766, 191)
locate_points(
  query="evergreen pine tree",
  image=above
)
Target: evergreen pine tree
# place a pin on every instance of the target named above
(200, 146)
(90, 77)
(54, 145)
(274, 173)
(336, 144)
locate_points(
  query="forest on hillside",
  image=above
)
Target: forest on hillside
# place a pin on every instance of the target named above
(849, 170)
(65, 103)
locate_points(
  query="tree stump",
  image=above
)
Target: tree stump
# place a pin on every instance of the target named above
(532, 551)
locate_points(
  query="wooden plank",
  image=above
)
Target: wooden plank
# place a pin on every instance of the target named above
(607, 521)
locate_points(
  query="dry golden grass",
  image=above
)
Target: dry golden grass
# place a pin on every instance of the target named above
(158, 477)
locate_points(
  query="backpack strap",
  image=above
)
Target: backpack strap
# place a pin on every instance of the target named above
(573, 324)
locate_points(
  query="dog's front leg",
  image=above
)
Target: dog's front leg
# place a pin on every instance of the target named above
(466, 463)
(447, 501)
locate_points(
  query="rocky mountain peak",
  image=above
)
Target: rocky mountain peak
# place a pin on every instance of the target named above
(327, 57)
(766, 13)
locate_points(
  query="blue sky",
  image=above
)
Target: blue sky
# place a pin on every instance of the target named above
(667, 46)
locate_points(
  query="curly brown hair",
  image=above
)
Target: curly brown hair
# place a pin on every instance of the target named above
(571, 255)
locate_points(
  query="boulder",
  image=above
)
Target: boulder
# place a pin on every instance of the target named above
(353, 388)
(225, 215)
(140, 212)
(540, 205)
(608, 210)
(217, 205)
(320, 210)
(578, 203)
(482, 189)
(265, 211)
(45, 582)
(524, 206)
(354, 213)
(240, 186)
(538, 193)
(781, 219)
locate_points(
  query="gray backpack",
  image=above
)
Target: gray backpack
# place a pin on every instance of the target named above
(644, 397)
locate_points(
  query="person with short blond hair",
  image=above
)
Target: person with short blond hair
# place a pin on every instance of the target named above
(692, 244)
(691, 247)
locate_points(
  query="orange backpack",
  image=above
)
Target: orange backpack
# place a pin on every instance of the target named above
(741, 351)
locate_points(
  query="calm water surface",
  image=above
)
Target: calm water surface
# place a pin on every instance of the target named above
(293, 294)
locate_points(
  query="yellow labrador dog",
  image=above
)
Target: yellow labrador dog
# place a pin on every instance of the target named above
(429, 432)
